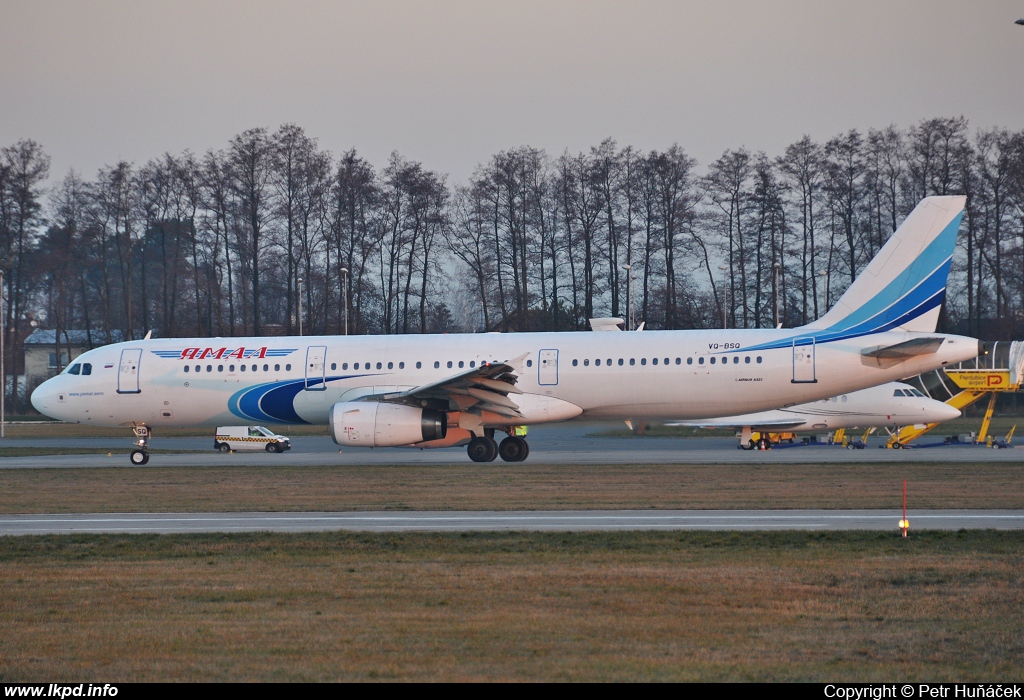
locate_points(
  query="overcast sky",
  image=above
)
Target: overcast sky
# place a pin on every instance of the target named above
(451, 83)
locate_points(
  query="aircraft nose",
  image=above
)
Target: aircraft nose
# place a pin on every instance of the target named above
(42, 398)
(949, 413)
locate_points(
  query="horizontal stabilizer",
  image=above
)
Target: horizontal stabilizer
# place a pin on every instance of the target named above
(905, 350)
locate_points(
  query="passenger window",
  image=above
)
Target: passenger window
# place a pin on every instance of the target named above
(643, 360)
(844, 398)
(758, 359)
(747, 359)
(75, 369)
(713, 360)
(401, 365)
(436, 364)
(287, 368)
(666, 360)
(266, 368)
(243, 368)
(461, 364)
(334, 365)
(609, 363)
(277, 368)
(700, 360)
(689, 360)
(220, 368)
(620, 362)
(597, 362)
(186, 368)
(472, 363)
(419, 364)
(632, 361)
(575, 362)
(380, 366)
(586, 363)
(736, 359)
(231, 368)
(679, 360)
(391, 365)
(209, 368)
(449, 364)
(654, 361)
(529, 363)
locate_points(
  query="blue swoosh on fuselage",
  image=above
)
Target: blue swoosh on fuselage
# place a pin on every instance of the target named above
(274, 402)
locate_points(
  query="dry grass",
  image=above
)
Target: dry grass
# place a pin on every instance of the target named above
(622, 606)
(509, 487)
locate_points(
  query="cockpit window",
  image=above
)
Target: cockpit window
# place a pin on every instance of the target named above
(75, 368)
(898, 392)
(86, 369)
(917, 393)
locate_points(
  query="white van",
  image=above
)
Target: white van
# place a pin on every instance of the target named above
(249, 437)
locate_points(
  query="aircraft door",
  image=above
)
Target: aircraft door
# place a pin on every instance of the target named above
(128, 372)
(803, 361)
(547, 368)
(316, 363)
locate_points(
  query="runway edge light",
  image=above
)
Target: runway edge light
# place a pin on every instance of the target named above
(904, 524)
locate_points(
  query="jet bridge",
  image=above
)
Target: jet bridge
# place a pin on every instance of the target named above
(998, 370)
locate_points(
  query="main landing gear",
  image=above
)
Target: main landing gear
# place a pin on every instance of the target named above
(484, 448)
(140, 455)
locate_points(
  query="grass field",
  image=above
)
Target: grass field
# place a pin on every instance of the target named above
(502, 486)
(606, 607)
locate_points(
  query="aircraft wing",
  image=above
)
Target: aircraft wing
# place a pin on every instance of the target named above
(485, 388)
(730, 422)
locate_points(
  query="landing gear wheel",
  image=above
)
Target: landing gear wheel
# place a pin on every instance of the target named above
(139, 457)
(513, 449)
(224, 447)
(482, 449)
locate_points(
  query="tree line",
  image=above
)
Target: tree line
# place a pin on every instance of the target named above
(272, 228)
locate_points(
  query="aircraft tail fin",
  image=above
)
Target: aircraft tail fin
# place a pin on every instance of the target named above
(903, 286)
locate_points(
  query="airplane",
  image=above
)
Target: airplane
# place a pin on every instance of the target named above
(460, 389)
(887, 405)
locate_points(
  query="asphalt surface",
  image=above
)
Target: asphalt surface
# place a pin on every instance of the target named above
(572, 443)
(551, 521)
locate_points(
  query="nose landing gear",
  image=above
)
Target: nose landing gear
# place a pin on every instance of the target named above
(140, 455)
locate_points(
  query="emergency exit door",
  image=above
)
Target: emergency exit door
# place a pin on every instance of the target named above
(803, 361)
(316, 361)
(128, 372)
(547, 368)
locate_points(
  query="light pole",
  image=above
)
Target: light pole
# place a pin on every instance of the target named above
(629, 296)
(3, 368)
(776, 267)
(725, 296)
(344, 294)
(300, 306)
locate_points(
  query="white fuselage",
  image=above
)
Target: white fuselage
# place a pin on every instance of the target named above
(652, 374)
(888, 405)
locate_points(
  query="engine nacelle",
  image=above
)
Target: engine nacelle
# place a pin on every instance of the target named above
(375, 424)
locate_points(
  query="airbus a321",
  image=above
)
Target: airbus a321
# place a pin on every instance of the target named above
(447, 390)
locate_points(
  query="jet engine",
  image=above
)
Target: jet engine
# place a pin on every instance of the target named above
(375, 424)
